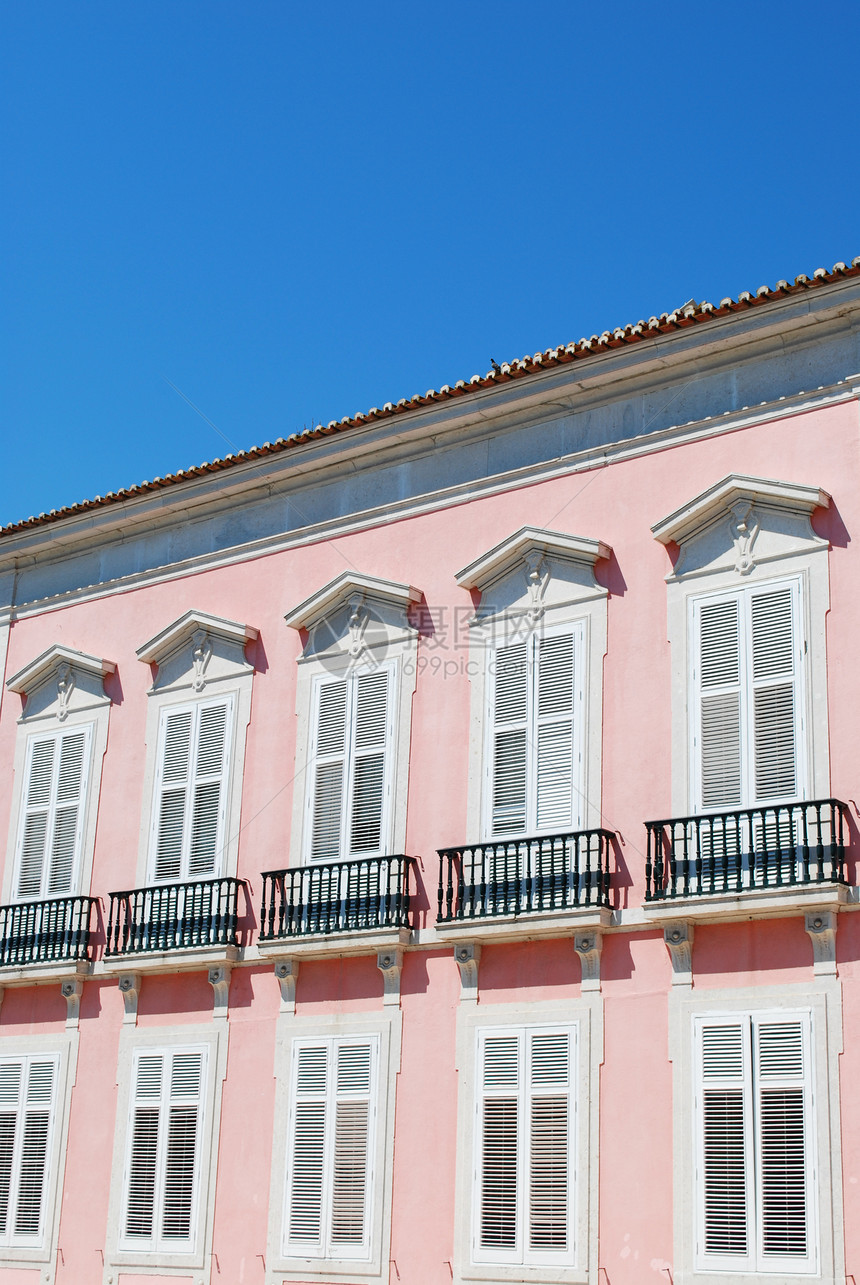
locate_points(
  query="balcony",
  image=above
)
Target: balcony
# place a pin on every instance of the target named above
(356, 905)
(785, 854)
(200, 918)
(57, 931)
(544, 885)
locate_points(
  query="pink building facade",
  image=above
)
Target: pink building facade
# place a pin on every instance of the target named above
(432, 841)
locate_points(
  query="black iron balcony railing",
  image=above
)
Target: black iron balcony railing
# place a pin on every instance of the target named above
(37, 932)
(173, 916)
(779, 846)
(339, 896)
(524, 876)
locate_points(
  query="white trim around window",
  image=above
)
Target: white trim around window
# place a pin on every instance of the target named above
(336, 1079)
(37, 1074)
(162, 1200)
(527, 1103)
(757, 1154)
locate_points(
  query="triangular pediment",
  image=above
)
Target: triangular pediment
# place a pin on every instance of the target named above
(182, 631)
(197, 650)
(730, 498)
(528, 545)
(47, 666)
(345, 589)
(61, 681)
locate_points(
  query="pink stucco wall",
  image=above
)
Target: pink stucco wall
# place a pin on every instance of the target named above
(617, 504)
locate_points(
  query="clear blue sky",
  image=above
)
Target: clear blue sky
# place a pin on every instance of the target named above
(297, 211)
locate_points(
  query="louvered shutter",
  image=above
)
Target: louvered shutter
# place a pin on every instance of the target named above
(554, 733)
(52, 814)
(551, 1061)
(330, 744)
(719, 680)
(27, 1109)
(725, 1154)
(499, 1143)
(774, 693)
(327, 1209)
(783, 1107)
(369, 752)
(510, 739)
(161, 1178)
(190, 791)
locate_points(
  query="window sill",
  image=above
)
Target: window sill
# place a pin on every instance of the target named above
(754, 903)
(326, 945)
(529, 926)
(186, 959)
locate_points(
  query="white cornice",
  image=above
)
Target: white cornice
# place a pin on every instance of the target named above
(33, 675)
(718, 500)
(527, 540)
(340, 590)
(183, 630)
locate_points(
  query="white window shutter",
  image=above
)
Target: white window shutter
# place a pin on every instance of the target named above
(27, 1108)
(550, 1129)
(351, 1158)
(143, 1161)
(783, 1102)
(773, 626)
(499, 1144)
(370, 724)
(210, 782)
(554, 733)
(725, 1160)
(172, 791)
(510, 673)
(720, 699)
(191, 790)
(307, 1168)
(330, 744)
(52, 814)
(180, 1164)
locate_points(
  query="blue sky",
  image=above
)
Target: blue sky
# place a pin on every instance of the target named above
(294, 212)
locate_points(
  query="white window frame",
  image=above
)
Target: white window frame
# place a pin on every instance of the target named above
(351, 677)
(384, 1028)
(576, 629)
(63, 1048)
(742, 594)
(586, 1016)
(226, 699)
(122, 1252)
(821, 1005)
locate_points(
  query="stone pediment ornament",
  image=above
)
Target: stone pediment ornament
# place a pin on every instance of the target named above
(63, 667)
(737, 500)
(354, 593)
(198, 631)
(530, 547)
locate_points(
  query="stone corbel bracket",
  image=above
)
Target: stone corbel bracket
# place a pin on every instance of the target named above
(467, 955)
(821, 926)
(219, 980)
(287, 972)
(589, 947)
(72, 991)
(129, 986)
(390, 964)
(679, 942)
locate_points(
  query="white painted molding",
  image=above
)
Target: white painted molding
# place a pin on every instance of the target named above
(219, 980)
(589, 947)
(467, 955)
(72, 989)
(62, 667)
(129, 985)
(678, 937)
(182, 631)
(529, 544)
(342, 590)
(287, 972)
(390, 964)
(728, 499)
(821, 926)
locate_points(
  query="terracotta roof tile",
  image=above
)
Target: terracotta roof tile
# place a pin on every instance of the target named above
(690, 314)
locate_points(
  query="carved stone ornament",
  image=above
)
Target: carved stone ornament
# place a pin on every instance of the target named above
(129, 988)
(821, 926)
(287, 971)
(390, 964)
(537, 579)
(357, 624)
(72, 991)
(744, 526)
(588, 947)
(467, 955)
(65, 687)
(219, 980)
(679, 942)
(201, 654)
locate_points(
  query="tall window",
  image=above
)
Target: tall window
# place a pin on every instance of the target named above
(28, 1088)
(754, 1170)
(50, 832)
(747, 680)
(191, 780)
(331, 1139)
(351, 768)
(534, 759)
(523, 1209)
(162, 1167)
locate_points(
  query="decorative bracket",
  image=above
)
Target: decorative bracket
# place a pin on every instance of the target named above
(72, 991)
(287, 971)
(467, 955)
(129, 985)
(219, 980)
(679, 942)
(201, 654)
(65, 687)
(536, 583)
(821, 926)
(390, 963)
(744, 528)
(589, 947)
(357, 623)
